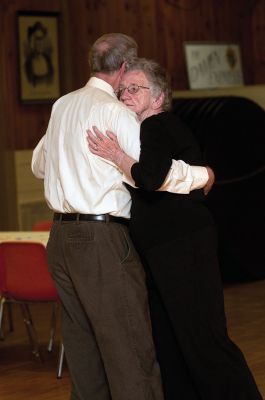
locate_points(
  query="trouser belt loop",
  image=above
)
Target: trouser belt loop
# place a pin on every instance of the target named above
(107, 218)
(78, 216)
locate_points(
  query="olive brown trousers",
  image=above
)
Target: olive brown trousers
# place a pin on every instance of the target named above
(106, 327)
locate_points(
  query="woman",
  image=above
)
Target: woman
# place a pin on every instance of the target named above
(176, 238)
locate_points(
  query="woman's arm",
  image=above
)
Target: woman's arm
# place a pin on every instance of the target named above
(39, 159)
(155, 156)
(181, 178)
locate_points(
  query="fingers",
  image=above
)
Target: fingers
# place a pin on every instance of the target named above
(111, 135)
(210, 182)
(97, 138)
(92, 141)
(98, 133)
(211, 174)
(206, 190)
(101, 145)
(93, 147)
(208, 187)
(91, 138)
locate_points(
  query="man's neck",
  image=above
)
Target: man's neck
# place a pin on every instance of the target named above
(112, 79)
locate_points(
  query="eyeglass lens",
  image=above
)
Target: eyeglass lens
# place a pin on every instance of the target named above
(132, 89)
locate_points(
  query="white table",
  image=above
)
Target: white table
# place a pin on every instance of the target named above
(24, 236)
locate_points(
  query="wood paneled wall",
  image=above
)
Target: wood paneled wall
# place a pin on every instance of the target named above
(159, 26)
(21, 124)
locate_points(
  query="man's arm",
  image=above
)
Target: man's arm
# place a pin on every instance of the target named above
(39, 153)
(182, 178)
(39, 159)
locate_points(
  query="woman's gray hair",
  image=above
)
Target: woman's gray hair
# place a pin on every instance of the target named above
(109, 52)
(157, 78)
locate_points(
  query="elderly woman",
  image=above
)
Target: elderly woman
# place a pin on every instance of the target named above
(176, 239)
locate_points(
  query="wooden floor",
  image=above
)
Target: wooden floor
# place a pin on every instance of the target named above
(24, 378)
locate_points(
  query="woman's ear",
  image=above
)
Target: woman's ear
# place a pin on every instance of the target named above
(158, 101)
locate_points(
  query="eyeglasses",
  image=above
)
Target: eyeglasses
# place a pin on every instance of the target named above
(132, 89)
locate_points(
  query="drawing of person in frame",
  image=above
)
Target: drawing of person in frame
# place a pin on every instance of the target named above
(38, 55)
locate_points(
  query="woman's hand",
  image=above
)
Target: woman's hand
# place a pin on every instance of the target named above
(106, 147)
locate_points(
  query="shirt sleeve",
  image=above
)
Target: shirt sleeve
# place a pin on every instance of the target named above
(39, 159)
(182, 178)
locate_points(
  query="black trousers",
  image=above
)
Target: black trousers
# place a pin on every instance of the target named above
(197, 358)
(106, 325)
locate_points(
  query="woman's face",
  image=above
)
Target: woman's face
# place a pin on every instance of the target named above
(140, 100)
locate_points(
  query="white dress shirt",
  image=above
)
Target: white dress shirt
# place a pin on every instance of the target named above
(75, 180)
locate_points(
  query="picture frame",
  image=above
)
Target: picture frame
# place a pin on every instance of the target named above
(38, 49)
(213, 65)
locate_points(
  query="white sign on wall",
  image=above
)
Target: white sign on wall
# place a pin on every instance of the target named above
(213, 65)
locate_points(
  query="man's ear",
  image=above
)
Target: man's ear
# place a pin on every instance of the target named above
(118, 75)
(158, 101)
(122, 68)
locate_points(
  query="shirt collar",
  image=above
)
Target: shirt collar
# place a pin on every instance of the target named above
(101, 84)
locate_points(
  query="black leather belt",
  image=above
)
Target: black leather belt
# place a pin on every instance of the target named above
(89, 217)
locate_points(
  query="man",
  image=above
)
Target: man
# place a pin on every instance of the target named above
(105, 323)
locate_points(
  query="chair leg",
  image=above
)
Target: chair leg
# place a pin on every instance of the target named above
(60, 362)
(10, 317)
(55, 308)
(2, 302)
(32, 334)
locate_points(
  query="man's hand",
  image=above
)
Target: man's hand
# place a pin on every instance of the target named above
(210, 181)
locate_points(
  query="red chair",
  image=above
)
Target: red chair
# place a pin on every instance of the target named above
(25, 279)
(44, 225)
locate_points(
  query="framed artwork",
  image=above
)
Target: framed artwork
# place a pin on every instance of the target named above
(213, 65)
(38, 56)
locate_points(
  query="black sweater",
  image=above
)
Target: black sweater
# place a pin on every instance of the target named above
(157, 217)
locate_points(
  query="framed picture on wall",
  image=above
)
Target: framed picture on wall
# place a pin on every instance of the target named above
(213, 65)
(38, 56)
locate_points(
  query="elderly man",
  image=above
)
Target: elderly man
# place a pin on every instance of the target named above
(105, 323)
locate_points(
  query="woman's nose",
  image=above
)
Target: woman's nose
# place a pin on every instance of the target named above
(125, 95)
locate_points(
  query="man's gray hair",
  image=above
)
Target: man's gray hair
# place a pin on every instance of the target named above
(157, 77)
(109, 52)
